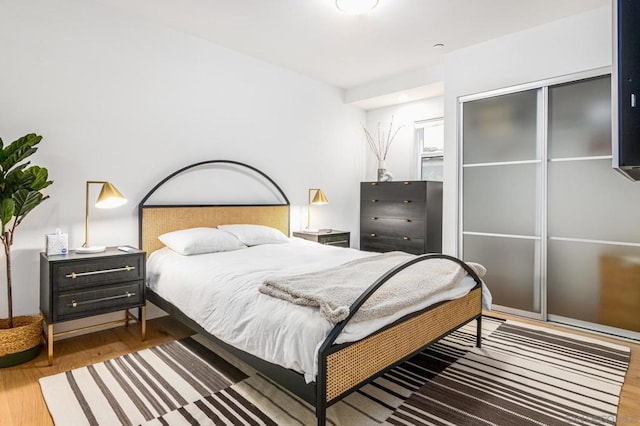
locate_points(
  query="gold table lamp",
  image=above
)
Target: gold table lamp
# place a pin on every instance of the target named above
(318, 199)
(109, 198)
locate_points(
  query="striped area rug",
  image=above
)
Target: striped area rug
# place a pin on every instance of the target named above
(136, 388)
(522, 375)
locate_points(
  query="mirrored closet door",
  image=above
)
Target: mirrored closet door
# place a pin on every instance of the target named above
(560, 237)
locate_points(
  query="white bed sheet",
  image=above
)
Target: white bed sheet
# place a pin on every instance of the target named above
(219, 291)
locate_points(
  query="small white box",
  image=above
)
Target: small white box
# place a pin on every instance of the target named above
(57, 243)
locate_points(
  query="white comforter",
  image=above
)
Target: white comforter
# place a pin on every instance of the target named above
(220, 292)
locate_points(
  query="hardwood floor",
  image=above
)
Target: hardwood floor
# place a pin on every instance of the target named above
(21, 402)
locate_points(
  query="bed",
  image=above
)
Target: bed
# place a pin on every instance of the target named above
(339, 358)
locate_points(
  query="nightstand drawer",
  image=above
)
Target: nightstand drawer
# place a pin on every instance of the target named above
(69, 275)
(99, 300)
(341, 240)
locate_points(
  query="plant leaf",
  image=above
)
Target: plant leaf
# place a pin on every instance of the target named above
(25, 201)
(7, 208)
(18, 150)
(35, 177)
(42, 179)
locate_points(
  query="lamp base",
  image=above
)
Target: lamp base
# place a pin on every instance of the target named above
(91, 249)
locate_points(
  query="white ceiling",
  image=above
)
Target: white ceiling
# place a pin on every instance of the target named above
(315, 39)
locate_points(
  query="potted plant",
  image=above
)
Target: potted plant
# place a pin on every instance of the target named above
(20, 193)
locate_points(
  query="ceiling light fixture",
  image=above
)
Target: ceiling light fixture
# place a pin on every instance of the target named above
(356, 7)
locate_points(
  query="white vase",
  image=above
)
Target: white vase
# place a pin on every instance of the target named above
(383, 175)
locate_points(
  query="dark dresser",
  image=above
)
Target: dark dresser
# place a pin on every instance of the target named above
(404, 216)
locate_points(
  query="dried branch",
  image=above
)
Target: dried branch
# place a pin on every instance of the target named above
(380, 146)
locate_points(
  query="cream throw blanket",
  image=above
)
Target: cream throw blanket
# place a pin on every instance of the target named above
(334, 290)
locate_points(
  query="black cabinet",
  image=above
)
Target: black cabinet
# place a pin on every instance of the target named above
(77, 285)
(404, 216)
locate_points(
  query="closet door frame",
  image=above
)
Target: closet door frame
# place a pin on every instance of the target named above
(542, 114)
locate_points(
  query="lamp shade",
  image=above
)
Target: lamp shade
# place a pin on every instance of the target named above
(109, 197)
(319, 198)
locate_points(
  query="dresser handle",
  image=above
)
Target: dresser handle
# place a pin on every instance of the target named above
(373, 235)
(374, 218)
(75, 304)
(406, 201)
(406, 238)
(374, 183)
(75, 275)
(374, 201)
(406, 183)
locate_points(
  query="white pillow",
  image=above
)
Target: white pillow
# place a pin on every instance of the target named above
(253, 235)
(200, 240)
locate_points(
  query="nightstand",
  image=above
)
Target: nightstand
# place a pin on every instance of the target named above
(74, 286)
(331, 238)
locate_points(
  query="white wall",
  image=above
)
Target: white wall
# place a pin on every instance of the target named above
(122, 99)
(402, 160)
(578, 43)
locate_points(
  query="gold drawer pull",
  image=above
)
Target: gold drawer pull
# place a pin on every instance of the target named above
(126, 295)
(373, 235)
(406, 183)
(374, 218)
(406, 238)
(75, 275)
(374, 201)
(374, 183)
(333, 243)
(406, 201)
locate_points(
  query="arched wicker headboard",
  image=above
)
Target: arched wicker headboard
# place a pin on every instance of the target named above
(157, 219)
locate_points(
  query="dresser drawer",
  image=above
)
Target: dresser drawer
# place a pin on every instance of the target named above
(98, 300)
(392, 227)
(407, 190)
(69, 275)
(393, 209)
(385, 244)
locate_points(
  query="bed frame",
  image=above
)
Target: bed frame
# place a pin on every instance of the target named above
(343, 368)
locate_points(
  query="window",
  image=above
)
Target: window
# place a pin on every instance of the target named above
(429, 135)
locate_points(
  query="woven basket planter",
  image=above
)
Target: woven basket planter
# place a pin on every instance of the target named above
(22, 342)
